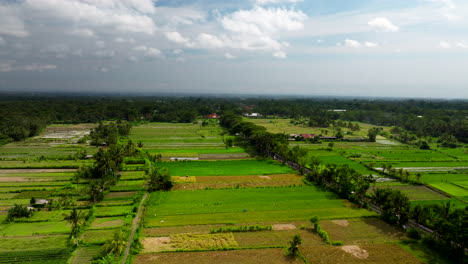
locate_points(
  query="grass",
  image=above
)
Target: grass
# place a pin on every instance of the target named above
(28, 229)
(46, 256)
(107, 222)
(455, 203)
(224, 168)
(28, 243)
(416, 192)
(450, 188)
(85, 254)
(97, 236)
(113, 211)
(245, 206)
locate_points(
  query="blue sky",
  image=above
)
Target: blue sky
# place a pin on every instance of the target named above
(411, 48)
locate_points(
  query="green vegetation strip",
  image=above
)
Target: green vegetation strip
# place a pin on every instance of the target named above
(225, 168)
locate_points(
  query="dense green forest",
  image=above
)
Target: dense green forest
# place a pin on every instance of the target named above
(22, 117)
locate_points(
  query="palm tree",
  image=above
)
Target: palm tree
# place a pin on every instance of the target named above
(76, 219)
(115, 245)
(294, 244)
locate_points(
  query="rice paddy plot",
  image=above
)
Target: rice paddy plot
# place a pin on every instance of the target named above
(225, 168)
(247, 181)
(28, 229)
(369, 253)
(85, 254)
(360, 231)
(415, 192)
(454, 203)
(450, 188)
(37, 242)
(245, 206)
(107, 222)
(435, 177)
(246, 256)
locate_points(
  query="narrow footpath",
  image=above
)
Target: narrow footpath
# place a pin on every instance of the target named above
(135, 223)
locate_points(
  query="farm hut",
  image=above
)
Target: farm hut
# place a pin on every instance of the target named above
(213, 116)
(40, 203)
(253, 115)
(88, 157)
(308, 136)
(293, 137)
(328, 138)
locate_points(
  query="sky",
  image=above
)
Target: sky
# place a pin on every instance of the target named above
(383, 48)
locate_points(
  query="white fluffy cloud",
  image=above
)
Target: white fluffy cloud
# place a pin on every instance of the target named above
(383, 24)
(178, 38)
(37, 67)
(445, 45)
(279, 54)
(210, 41)
(351, 43)
(370, 44)
(148, 52)
(256, 29)
(265, 2)
(229, 56)
(456, 44)
(123, 15)
(261, 21)
(461, 45)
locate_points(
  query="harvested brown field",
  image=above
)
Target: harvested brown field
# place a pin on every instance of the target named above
(184, 179)
(239, 178)
(248, 256)
(251, 181)
(356, 251)
(223, 156)
(167, 231)
(101, 223)
(228, 185)
(361, 231)
(376, 253)
(343, 222)
(276, 238)
(22, 179)
(8, 171)
(282, 227)
(157, 244)
(189, 242)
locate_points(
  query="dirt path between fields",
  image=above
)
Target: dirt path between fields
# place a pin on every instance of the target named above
(135, 223)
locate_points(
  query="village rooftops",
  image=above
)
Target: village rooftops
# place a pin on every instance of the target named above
(214, 115)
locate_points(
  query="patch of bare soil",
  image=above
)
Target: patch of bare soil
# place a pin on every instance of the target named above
(282, 227)
(157, 244)
(119, 194)
(341, 222)
(21, 179)
(6, 171)
(265, 177)
(356, 251)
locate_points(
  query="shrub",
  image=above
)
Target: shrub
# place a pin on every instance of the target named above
(413, 233)
(18, 211)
